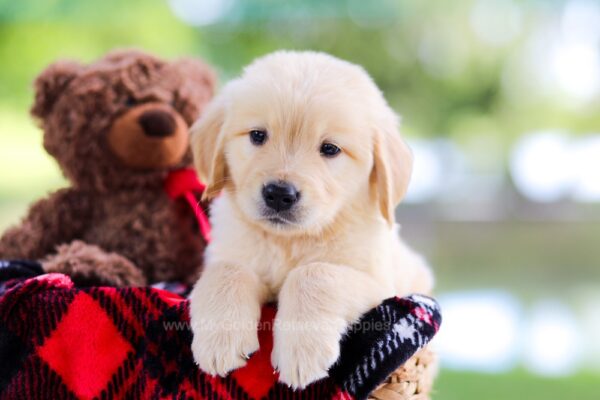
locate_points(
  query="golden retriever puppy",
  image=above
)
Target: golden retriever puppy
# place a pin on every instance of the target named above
(307, 158)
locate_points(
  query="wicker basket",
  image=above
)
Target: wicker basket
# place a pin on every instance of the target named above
(412, 381)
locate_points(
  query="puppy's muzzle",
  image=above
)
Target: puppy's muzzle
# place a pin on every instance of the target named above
(280, 196)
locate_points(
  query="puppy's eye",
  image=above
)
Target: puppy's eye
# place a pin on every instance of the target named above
(329, 150)
(258, 137)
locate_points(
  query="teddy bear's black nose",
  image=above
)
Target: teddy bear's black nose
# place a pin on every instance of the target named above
(157, 123)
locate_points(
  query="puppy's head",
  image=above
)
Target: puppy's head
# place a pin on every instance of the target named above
(300, 140)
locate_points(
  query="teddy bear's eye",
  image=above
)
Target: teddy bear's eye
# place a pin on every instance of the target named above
(130, 101)
(175, 100)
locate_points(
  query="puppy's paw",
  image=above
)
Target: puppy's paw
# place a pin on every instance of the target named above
(303, 356)
(220, 349)
(224, 314)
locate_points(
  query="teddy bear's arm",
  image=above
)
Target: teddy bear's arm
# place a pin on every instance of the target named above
(56, 219)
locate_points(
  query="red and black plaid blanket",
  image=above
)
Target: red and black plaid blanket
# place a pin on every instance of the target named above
(58, 341)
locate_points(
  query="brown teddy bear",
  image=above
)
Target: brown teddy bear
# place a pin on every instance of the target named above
(119, 130)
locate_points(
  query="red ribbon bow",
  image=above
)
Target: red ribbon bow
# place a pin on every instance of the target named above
(184, 183)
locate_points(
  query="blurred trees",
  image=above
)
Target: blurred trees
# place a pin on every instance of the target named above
(479, 73)
(435, 61)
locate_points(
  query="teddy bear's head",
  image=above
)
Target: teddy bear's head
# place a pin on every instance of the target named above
(123, 120)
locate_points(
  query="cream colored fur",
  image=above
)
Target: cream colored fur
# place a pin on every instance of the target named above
(342, 256)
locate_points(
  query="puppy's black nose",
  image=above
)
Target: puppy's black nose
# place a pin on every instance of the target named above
(280, 196)
(157, 123)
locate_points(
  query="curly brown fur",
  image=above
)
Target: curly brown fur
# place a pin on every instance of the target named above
(88, 265)
(117, 206)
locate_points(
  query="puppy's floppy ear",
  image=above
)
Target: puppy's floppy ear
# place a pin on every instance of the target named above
(208, 147)
(392, 164)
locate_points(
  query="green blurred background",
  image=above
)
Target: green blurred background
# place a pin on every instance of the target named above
(500, 101)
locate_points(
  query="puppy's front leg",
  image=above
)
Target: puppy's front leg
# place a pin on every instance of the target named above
(316, 304)
(224, 312)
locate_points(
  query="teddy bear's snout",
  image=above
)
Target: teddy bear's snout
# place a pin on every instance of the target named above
(157, 123)
(149, 136)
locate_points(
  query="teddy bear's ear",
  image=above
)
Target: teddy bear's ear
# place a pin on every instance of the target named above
(196, 71)
(49, 85)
